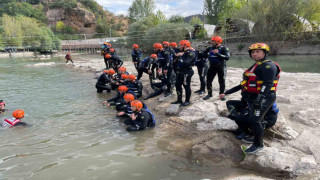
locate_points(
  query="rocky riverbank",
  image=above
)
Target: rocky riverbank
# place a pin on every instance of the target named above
(292, 148)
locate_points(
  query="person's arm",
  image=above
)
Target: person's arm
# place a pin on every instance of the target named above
(205, 52)
(224, 55)
(233, 90)
(188, 58)
(142, 120)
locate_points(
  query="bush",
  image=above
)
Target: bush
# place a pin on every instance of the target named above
(240, 46)
(63, 4)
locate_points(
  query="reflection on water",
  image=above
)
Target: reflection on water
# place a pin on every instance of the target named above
(73, 136)
(287, 63)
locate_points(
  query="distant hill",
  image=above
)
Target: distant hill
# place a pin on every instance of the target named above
(188, 18)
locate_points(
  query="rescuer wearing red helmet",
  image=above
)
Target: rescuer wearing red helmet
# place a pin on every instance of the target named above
(217, 56)
(136, 55)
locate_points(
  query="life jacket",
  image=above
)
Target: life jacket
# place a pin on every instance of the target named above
(150, 124)
(213, 58)
(251, 82)
(10, 122)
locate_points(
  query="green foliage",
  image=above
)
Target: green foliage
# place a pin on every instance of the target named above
(176, 19)
(240, 46)
(195, 20)
(63, 4)
(25, 9)
(60, 26)
(202, 34)
(160, 16)
(140, 9)
(165, 32)
(27, 32)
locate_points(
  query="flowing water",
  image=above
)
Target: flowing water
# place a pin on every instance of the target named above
(74, 137)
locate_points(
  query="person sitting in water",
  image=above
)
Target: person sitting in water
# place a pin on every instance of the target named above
(103, 82)
(2, 107)
(15, 120)
(126, 108)
(135, 85)
(68, 58)
(141, 118)
(118, 101)
(118, 80)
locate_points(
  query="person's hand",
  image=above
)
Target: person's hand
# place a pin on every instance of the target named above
(117, 84)
(180, 54)
(104, 102)
(215, 51)
(165, 71)
(121, 113)
(222, 96)
(149, 72)
(133, 117)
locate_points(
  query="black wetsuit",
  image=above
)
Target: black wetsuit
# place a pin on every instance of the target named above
(144, 119)
(115, 62)
(202, 66)
(175, 59)
(161, 87)
(165, 63)
(119, 102)
(103, 83)
(136, 56)
(185, 73)
(136, 87)
(217, 65)
(143, 68)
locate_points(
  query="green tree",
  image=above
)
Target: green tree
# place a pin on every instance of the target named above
(160, 16)
(140, 9)
(60, 26)
(12, 31)
(176, 19)
(195, 20)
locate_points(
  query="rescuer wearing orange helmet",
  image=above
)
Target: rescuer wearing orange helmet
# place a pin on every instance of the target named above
(136, 55)
(175, 50)
(146, 65)
(15, 120)
(217, 56)
(184, 71)
(103, 82)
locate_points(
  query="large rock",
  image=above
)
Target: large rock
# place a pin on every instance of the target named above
(173, 110)
(199, 109)
(220, 123)
(286, 161)
(283, 99)
(308, 117)
(282, 130)
(248, 177)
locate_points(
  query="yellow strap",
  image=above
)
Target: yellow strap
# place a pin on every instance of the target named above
(272, 89)
(243, 82)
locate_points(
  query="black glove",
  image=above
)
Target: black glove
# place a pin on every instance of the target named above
(257, 103)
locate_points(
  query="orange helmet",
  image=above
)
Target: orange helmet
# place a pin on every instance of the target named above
(132, 77)
(129, 97)
(154, 56)
(19, 114)
(135, 46)
(111, 50)
(122, 68)
(157, 46)
(166, 43)
(109, 44)
(122, 88)
(111, 72)
(124, 76)
(138, 104)
(105, 43)
(173, 44)
(106, 71)
(108, 56)
(217, 39)
(185, 43)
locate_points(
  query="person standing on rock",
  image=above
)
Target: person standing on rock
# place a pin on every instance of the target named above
(261, 85)
(136, 55)
(165, 65)
(217, 55)
(184, 71)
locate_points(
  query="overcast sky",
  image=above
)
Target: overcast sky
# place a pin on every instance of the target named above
(168, 7)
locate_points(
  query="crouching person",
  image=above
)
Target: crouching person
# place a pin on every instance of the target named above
(126, 107)
(141, 118)
(17, 115)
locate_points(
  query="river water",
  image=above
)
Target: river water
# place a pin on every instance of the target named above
(74, 137)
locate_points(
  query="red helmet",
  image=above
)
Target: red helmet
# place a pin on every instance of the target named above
(108, 56)
(106, 71)
(173, 44)
(154, 56)
(122, 88)
(19, 114)
(109, 44)
(138, 104)
(68, 53)
(185, 43)
(217, 39)
(166, 43)
(157, 46)
(132, 77)
(129, 97)
(124, 76)
(122, 68)
(111, 50)
(111, 72)
(135, 46)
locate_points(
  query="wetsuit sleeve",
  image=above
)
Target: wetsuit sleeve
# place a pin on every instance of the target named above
(166, 56)
(115, 98)
(224, 55)
(233, 90)
(119, 61)
(205, 52)
(142, 120)
(269, 71)
(188, 58)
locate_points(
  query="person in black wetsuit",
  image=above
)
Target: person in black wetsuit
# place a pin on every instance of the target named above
(103, 82)
(136, 55)
(141, 118)
(261, 85)
(165, 65)
(185, 72)
(118, 101)
(115, 62)
(145, 66)
(202, 66)
(135, 85)
(175, 50)
(217, 55)
(160, 87)
(126, 109)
